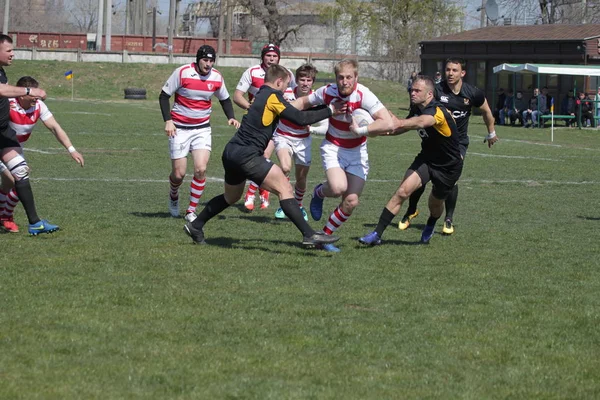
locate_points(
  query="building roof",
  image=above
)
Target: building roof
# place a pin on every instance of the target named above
(555, 32)
(555, 69)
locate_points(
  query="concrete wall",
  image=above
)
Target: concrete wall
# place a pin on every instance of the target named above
(376, 69)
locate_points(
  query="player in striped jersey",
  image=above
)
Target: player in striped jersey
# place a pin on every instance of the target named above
(188, 124)
(344, 154)
(292, 140)
(251, 81)
(24, 112)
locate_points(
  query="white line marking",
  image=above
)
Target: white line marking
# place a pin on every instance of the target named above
(86, 113)
(538, 144)
(470, 153)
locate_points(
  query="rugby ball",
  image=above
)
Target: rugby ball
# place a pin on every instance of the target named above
(362, 117)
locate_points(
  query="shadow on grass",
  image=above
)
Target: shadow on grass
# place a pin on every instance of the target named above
(395, 224)
(385, 242)
(588, 218)
(258, 244)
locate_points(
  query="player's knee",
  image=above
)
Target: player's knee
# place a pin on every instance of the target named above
(350, 203)
(18, 168)
(337, 189)
(200, 173)
(402, 194)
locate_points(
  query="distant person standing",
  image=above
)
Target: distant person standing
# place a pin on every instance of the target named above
(10, 148)
(412, 78)
(188, 124)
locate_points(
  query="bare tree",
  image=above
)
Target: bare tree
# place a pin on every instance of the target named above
(268, 13)
(84, 14)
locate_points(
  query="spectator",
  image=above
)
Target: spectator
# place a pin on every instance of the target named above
(598, 103)
(567, 107)
(532, 106)
(438, 77)
(584, 109)
(517, 112)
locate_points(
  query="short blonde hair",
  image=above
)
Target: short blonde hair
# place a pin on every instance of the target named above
(347, 62)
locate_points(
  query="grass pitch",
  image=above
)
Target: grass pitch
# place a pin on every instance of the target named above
(120, 304)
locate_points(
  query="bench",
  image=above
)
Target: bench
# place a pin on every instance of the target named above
(565, 118)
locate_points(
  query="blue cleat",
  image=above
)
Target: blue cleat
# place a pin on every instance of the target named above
(330, 248)
(427, 234)
(42, 226)
(304, 214)
(370, 239)
(316, 205)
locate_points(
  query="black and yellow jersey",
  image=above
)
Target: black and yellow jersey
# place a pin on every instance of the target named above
(259, 123)
(440, 142)
(460, 105)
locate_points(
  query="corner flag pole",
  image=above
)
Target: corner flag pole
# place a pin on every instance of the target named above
(72, 87)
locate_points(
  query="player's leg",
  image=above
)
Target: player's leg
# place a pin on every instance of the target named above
(179, 147)
(300, 186)
(412, 210)
(350, 200)
(451, 200)
(436, 208)
(415, 176)
(275, 181)
(8, 200)
(264, 194)
(334, 186)
(443, 184)
(284, 155)
(200, 158)
(16, 164)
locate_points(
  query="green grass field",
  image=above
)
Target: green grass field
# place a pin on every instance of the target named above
(120, 304)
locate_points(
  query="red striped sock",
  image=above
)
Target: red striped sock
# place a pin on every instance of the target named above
(319, 191)
(11, 202)
(174, 186)
(2, 203)
(252, 188)
(299, 194)
(336, 219)
(196, 190)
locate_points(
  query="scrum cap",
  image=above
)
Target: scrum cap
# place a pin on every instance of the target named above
(269, 48)
(206, 51)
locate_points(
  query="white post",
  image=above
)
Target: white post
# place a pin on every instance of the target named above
(552, 125)
(6, 12)
(108, 25)
(172, 8)
(72, 87)
(100, 21)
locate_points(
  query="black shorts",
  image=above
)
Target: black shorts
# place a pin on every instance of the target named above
(243, 162)
(8, 138)
(443, 180)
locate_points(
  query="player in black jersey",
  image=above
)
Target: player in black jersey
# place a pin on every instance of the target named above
(10, 149)
(459, 98)
(439, 161)
(243, 157)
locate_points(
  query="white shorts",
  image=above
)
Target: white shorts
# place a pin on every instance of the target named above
(2, 167)
(187, 140)
(354, 161)
(299, 148)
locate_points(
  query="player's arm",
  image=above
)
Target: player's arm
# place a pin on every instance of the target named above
(165, 109)
(240, 100)
(18, 91)
(301, 103)
(488, 119)
(417, 122)
(227, 107)
(63, 139)
(277, 104)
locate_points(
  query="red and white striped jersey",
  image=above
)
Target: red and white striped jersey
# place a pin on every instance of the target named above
(193, 92)
(288, 128)
(253, 78)
(23, 121)
(339, 125)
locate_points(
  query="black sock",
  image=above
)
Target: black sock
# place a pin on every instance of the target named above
(432, 220)
(214, 207)
(292, 211)
(413, 201)
(385, 219)
(23, 188)
(451, 202)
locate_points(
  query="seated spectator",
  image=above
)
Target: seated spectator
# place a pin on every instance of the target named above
(528, 117)
(567, 107)
(517, 112)
(509, 105)
(584, 109)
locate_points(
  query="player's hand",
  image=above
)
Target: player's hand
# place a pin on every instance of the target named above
(233, 122)
(339, 107)
(492, 140)
(170, 129)
(38, 93)
(77, 157)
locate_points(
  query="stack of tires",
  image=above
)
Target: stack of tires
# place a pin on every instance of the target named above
(135, 93)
